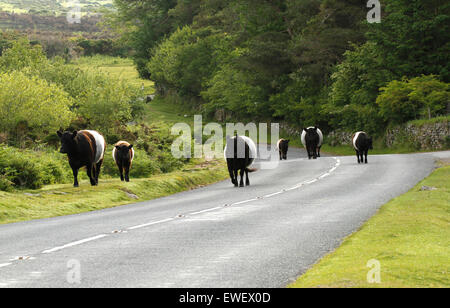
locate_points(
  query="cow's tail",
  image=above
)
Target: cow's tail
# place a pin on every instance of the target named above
(251, 170)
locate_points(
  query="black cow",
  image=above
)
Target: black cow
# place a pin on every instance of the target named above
(362, 144)
(283, 147)
(240, 153)
(312, 139)
(85, 149)
(123, 154)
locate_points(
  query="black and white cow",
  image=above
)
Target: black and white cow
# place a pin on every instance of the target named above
(240, 153)
(362, 143)
(123, 155)
(85, 148)
(283, 147)
(312, 140)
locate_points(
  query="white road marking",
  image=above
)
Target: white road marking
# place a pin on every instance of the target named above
(205, 211)
(5, 264)
(74, 244)
(150, 224)
(246, 201)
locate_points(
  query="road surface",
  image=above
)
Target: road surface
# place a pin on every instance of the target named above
(264, 235)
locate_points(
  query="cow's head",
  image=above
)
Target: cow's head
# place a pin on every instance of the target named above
(123, 151)
(68, 144)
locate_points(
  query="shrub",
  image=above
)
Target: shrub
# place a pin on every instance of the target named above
(28, 169)
(402, 101)
(32, 104)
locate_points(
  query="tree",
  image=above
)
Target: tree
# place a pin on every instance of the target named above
(402, 101)
(414, 37)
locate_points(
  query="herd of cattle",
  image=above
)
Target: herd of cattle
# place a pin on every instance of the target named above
(87, 148)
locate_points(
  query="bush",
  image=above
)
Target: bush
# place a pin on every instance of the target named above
(29, 169)
(32, 104)
(421, 97)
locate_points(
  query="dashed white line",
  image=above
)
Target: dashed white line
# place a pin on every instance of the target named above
(5, 264)
(150, 224)
(205, 211)
(74, 243)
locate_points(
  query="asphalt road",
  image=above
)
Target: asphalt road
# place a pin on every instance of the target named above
(265, 235)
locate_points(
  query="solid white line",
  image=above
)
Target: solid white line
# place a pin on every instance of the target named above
(5, 264)
(74, 243)
(150, 224)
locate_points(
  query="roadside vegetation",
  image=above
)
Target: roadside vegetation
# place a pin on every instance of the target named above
(39, 96)
(58, 200)
(409, 236)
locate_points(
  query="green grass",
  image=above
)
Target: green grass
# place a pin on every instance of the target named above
(423, 122)
(409, 236)
(116, 67)
(58, 200)
(160, 110)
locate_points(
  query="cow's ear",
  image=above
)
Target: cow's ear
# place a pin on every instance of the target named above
(59, 134)
(305, 129)
(117, 147)
(289, 140)
(130, 147)
(316, 128)
(74, 134)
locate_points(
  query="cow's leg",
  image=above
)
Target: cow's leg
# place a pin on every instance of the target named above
(231, 172)
(119, 165)
(127, 173)
(361, 154)
(241, 184)
(318, 151)
(247, 180)
(236, 173)
(357, 156)
(90, 170)
(365, 154)
(98, 167)
(75, 177)
(281, 157)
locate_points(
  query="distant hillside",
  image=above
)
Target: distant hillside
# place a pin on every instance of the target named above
(52, 7)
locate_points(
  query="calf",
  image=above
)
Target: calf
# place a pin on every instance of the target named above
(123, 154)
(283, 147)
(85, 148)
(312, 139)
(362, 143)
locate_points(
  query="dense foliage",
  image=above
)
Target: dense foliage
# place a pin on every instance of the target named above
(300, 61)
(39, 96)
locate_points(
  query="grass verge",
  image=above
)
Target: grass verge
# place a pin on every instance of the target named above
(59, 200)
(409, 236)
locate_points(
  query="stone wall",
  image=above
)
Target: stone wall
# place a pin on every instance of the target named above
(430, 136)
